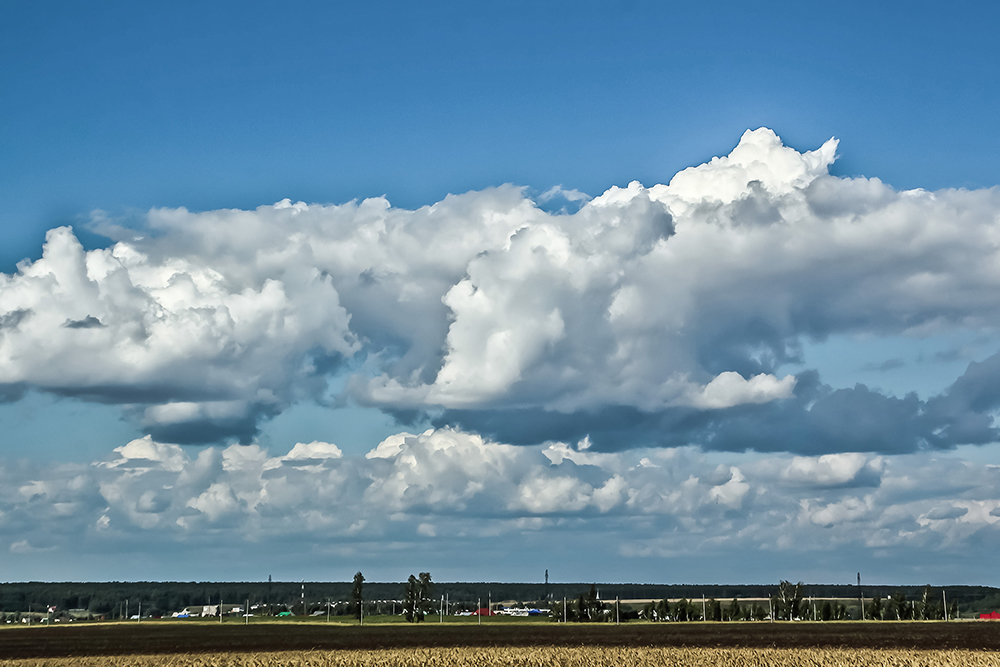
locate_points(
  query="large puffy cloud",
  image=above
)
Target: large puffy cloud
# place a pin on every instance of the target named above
(185, 343)
(663, 315)
(413, 490)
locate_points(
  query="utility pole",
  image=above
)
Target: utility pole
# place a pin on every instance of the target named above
(564, 609)
(704, 613)
(944, 605)
(861, 597)
(479, 610)
(618, 604)
(138, 618)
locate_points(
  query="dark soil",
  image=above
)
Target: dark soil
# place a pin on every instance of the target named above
(180, 637)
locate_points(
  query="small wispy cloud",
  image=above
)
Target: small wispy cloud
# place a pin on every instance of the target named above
(884, 366)
(89, 322)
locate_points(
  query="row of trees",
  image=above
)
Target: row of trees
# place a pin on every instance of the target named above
(587, 607)
(785, 604)
(930, 606)
(710, 609)
(790, 603)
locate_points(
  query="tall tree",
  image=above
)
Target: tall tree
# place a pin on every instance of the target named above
(681, 610)
(357, 595)
(875, 608)
(410, 599)
(593, 602)
(556, 611)
(899, 606)
(789, 600)
(928, 606)
(424, 586)
(663, 610)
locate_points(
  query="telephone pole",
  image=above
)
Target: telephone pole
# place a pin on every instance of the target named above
(861, 597)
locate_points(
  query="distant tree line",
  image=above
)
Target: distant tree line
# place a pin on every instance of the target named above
(107, 598)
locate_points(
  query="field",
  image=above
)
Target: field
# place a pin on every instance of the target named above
(634, 644)
(587, 656)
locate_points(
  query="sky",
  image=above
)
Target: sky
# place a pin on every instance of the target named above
(629, 292)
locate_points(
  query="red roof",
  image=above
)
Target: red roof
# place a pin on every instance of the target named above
(992, 616)
(483, 612)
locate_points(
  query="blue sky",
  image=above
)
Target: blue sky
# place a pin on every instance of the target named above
(302, 231)
(123, 107)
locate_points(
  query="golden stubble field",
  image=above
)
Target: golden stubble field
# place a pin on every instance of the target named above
(544, 656)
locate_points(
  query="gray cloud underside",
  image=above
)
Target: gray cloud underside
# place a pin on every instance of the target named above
(442, 484)
(648, 316)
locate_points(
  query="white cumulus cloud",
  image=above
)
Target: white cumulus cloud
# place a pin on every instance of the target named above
(695, 294)
(446, 484)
